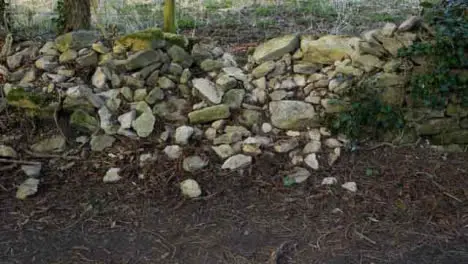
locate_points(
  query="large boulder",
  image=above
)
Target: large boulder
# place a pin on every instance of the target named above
(327, 49)
(295, 115)
(276, 48)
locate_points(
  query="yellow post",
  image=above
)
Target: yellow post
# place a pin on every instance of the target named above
(169, 16)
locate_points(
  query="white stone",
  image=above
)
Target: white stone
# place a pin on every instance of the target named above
(299, 174)
(333, 156)
(183, 134)
(329, 181)
(126, 119)
(267, 128)
(314, 134)
(208, 90)
(236, 162)
(112, 175)
(333, 143)
(190, 188)
(350, 186)
(223, 151)
(27, 188)
(291, 133)
(173, 152)
(311, 161)
(312, 147)
(32, 171)
(210, 133)
(7, 151)
(194, 163)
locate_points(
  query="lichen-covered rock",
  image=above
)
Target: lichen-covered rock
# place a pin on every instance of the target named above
(294, 115)
(84, 120)
(327, 49)
(53, 144)
(209, 65)
(276, 48)
(209, 114)
(68, 56)
(47, 63)
(180, 56)
(234, 98)
(172, 109)
(144, 124)
(263, 69)
(76, 40)
(101, 142)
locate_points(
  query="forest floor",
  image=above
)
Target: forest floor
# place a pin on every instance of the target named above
(411, 205)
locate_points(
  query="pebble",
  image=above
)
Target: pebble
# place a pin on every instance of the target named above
(112, 175)
(350, 186)
(190, 188)
(183, 134)
(311, 161)
(173, 152)
(329, 181)
(194, 163)
(236, 162)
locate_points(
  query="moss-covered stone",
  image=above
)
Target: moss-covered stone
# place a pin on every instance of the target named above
(76, 40)
(151, 38)
(454, 137)
(455, 110)
(175, 39)
(276, 48)
(437, 126)
(36, 104)
(327, 49)
(83, 120)
(209, 114)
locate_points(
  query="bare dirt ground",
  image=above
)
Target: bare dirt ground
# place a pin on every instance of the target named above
(411, 207)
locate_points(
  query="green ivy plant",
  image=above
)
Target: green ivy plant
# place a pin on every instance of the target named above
(59, 20)
(447, 58)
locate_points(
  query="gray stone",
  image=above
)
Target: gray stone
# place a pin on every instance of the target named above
(311, 161)
(68, 56)
(312, 147)
(88, 59)
(28, 188)
(32, 171)
(76, 40)
(263, 69)
(101, 142)
(112, 175)
(53, 144)
(294, 115)
(183, 134)
(208, 90)
(126, 119)
(107, 123)
(234, 98)
(140, 95)
(237, 162)
(226, 82)
(100, 78)
(46, 63)
(286, 145)
(194, 163)
(299, 174)
(166, 83)
(224, 151)
(180, 56)
(209, 65)
(144, 124)
(154, 96)
(142, 59)
(7, 151)
(172, 109)
(276, 48)
(173, 152)
(190, 188)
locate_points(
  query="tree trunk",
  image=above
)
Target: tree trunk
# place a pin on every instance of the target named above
(169, 16)
(77, 14)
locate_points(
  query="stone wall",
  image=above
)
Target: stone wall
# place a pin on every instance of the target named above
(196, 91)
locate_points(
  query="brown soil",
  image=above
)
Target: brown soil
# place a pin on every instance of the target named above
(412, 208)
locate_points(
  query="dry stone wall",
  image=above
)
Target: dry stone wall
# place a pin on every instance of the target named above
(197, 92)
